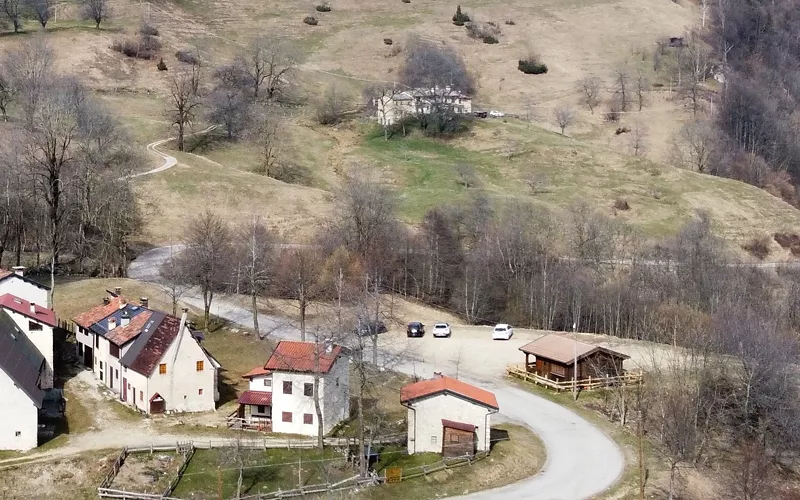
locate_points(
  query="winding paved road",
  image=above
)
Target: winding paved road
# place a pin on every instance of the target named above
(582, 461)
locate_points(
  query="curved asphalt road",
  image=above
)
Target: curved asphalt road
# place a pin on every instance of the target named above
(582, 461)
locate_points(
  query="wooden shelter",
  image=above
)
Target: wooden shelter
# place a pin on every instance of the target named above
(553, 357)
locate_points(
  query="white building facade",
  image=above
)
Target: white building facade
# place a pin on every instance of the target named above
(393, 107)
(443, 401)
(281, 392)
(19, 415)
(37, 322)
(16, 283)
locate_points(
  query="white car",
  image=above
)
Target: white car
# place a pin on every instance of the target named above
(496, 114)
(441, 330)
(502, 332)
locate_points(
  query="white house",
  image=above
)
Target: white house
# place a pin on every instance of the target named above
(448, 416)
(21, 369)
(392, 107)
(149, 358)
(37, 323)
(281, 393)
(16, 283)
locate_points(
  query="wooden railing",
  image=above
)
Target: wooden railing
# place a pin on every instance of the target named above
(587, 384)
(249, 424)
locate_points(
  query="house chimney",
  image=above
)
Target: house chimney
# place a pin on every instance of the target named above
(19, 270)
(144, 301)
(33, 308)
(328, 347)
(106, 301)
(125, 319)
(118, 290)
(437, 374)
(112, 323)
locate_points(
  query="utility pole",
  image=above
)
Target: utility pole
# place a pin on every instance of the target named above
(575, 362)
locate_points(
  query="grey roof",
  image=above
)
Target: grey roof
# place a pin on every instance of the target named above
(20, 359)
(149, 328)
(101, 327)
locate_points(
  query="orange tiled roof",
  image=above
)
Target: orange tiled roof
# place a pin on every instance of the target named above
(255, 372)
(87, 318)
(447, 384)
(301, 357)
(122, 334)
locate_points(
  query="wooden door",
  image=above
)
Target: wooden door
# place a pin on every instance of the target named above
(88, 359)
(157, 404)
(457, 442)
(125, 389)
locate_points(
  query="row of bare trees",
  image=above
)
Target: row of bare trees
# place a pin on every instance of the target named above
(64, 167)
(14, 13)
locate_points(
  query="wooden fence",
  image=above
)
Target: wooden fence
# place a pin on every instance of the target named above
(446, 463)
(587, 384)
(105, 491)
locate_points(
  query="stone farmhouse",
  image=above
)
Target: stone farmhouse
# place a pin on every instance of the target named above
(149, 358)
(393, 107)
(281, 393)
(448, 416)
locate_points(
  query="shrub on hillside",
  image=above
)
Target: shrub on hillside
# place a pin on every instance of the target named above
(488, 32)
(758, 247)
(387, 41)
(162, 66)
(148, 30)
(187, 56)
(310, 20)
(532, 67)
(459, 18)
(510, 22)
(145, 47)
(621, 204)
(323, 8)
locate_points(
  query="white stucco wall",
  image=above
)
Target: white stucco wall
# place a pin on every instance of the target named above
(136, 383)
(17, 414)
(25, 290)
(257, 383)
(336, 394)
(181, 384)
(42, 339)
(425, 423)
(296, 403)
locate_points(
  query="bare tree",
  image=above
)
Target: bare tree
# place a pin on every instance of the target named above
(466, 175)
(331, 106)
(29, 72)
(381, 96)
(185, 100)
(206, 259)
(269, 134)
(693, 146)
(175, 279)
(228, 103)
(95, 10)
(697, 59)
(298, 271)
(589, 90)
(642, 86)
(621, 89)
(256, 263)
(42, 10)
(268, 64)
(6, 93)
(565, 117)
(433, 65)
(638, 138)
(15, 12)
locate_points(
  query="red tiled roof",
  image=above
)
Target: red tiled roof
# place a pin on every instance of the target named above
(87, 318)
(156, 346)
(255, 372)
(258, 398)
(446, 384)
(301, 357)
(562, 349)
(22, 306)
(458, 425)
(123, 334)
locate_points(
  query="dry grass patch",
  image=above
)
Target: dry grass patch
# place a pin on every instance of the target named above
(74, 478)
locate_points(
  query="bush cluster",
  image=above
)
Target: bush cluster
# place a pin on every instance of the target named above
(387, 41)
(532, 66)
(487, 32)
(310, 20)
(145, 47)
(187, 56)
(459, 18)
(162, 66)
(323, 8)
(148, 30)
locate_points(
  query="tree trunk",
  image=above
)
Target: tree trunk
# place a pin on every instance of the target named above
(318, 407)
(208, 296)
(302, 315)
(180, 135)
(672, 480)
(362, 460)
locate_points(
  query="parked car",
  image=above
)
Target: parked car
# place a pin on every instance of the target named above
(415, 329)
(366, 328)
(441, 330)
(496, 114)
(502, 332)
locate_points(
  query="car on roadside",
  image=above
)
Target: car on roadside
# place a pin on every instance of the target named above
(367, 328)
(496, 114)
(441, 330)
(502, 331)
(415, 329)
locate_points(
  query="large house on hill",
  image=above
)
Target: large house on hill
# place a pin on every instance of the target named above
(281, 393)
(393, 107)
(149, 358)
(37, 322)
